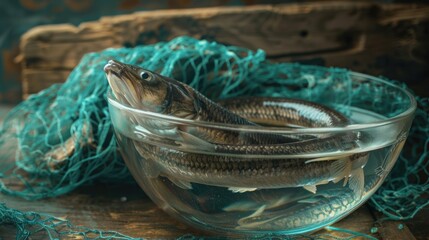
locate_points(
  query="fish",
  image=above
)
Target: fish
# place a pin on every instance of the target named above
(317, 209)
(149, 91)
(300, 213)
(241, 162)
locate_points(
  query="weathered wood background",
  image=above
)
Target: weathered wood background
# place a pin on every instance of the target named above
(386, 39)
(378, 39)
(18, 16)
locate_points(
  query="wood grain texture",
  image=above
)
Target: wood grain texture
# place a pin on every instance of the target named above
(49, 77)
(387, 39)
(102, 206)
(18, 16)
(419, 225)
(126, 209)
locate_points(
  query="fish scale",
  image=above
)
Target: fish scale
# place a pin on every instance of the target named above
(235, 172)
(220, 157)
(285, 111)
(325, 205)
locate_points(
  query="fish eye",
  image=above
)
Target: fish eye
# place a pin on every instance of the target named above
(145, 76)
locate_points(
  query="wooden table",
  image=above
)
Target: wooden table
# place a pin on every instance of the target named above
(367, 37)
(126, 209)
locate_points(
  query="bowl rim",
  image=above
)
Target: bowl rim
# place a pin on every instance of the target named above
(282, 130)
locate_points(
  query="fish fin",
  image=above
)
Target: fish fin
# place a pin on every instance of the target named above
(279, 202)
(245, 206)
(242, 206)
(310, 188)
(318, 160)
(328, 158)
(257, 213)
(341, 169)
(336, 180)
(357, 181)
(309, 200)
(193, 142)
(150, 169)
(326, 181)
(313, 188)
(180, 183)
(241, 190)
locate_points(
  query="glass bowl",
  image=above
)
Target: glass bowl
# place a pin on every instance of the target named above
(223, 191)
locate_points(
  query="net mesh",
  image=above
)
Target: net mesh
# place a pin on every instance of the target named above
(62, 137)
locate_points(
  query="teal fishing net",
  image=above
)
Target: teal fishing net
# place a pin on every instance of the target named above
(62, 138)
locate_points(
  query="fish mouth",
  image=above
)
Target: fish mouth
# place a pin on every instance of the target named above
(122, 87)
(114, 67)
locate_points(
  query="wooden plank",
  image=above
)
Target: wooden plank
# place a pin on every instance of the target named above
(395, 230)
(253, 27)
(62, 55)
(360, 221)
(49, 77)
(393, 46)
(389, 229)
(419, 225)
(4, 109)
(125, 208)
(373, 38)
(103, 206)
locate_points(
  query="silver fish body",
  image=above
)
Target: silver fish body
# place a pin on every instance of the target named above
(242, 174)
(233, 170)
(302, 211)
(284, 112)
(323, 206)
(227, 157)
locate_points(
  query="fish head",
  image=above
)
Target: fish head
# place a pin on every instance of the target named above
(147, 90)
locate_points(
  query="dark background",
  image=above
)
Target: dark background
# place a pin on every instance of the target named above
(18, 16)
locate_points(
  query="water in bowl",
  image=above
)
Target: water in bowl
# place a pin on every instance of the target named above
(287, 210)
